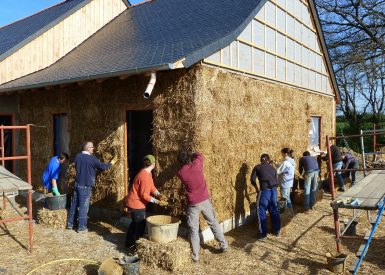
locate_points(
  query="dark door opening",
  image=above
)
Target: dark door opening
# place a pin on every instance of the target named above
(60, 134)
(139, 133)
(7, 120)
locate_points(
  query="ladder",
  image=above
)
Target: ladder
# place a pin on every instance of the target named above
(367, 240)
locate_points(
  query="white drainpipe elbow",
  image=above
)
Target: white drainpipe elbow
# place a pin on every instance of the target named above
(150, 86)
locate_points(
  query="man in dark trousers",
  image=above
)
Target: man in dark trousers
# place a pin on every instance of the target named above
(350, 162)
(266, 196)
(191, 174)
(337, 165)
(86, 165)
(308, 165)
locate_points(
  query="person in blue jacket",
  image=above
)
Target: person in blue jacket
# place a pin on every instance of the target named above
(267, 196)
(86, 165)
(51, 173)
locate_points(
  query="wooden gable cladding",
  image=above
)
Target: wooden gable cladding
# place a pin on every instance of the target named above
(59, 40)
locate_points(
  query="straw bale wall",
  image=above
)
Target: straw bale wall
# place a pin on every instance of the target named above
(97, 112)
(228, 117)
(240, 118)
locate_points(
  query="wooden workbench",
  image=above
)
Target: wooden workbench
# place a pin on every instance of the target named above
(370, 191)
(9, 183)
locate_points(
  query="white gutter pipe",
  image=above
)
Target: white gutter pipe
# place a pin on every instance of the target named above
(150, 86)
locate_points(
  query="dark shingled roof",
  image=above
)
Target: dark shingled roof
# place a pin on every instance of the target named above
(153, 35)
(25, 30)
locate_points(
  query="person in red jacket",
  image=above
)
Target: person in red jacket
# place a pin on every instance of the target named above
(191, 174)
(142, 192)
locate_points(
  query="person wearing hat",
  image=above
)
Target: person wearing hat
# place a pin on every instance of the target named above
(142, 192)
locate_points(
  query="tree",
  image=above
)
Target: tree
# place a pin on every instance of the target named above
(355, 35)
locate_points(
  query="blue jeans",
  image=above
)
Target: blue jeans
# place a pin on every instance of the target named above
(267, 201)
(310, 186)
(337, 166)
(285, 193)
(81, 202)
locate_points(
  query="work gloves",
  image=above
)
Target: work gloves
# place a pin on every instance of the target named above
(55, 191)
(159, 202)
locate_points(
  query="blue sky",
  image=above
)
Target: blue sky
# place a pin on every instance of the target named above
(13, 10)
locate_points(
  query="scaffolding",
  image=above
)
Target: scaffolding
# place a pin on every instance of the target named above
(368, 194)
(11, 183)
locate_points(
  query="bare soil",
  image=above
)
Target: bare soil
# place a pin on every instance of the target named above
(300, 249)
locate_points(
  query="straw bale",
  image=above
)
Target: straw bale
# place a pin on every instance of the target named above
(172, 256)
(299, 196)
(56, 219)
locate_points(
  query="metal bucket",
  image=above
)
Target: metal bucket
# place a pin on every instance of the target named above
(130, 265)
(282, 203)
(337, 263)
(162, 229)
(56, 202)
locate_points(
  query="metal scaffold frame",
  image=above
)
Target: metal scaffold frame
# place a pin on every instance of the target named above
(380, 207)
(26, 157)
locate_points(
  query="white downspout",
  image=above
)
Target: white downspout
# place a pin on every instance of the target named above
(150, 86)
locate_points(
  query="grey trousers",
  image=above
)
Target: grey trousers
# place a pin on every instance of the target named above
(207, 210)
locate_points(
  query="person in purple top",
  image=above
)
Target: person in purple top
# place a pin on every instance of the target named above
(198, 198)
(350, 162)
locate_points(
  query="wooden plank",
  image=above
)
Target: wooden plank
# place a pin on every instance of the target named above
(11, 183)
(353, 266)
(367, 234)
(360, 250)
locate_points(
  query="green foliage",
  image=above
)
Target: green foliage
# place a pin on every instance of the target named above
(345, 127)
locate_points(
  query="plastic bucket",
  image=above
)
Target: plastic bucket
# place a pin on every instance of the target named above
(56, 202)
(162, 229)
(130, 265)
(282, 203)
(337, 263)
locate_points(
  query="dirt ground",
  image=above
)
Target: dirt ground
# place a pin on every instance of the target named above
(301, 248)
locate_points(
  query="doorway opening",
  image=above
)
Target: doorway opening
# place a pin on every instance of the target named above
(7, 120)
(61, 137)
(139, 133)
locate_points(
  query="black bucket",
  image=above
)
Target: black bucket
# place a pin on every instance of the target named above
(130, 265)
(282, 203)
(56, 202)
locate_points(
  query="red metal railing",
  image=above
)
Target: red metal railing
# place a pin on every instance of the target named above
(27, 157)
(331, 172)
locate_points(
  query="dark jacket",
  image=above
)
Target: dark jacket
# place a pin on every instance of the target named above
(336, 154)
(308, 164)
(266, 174)
(86, 166)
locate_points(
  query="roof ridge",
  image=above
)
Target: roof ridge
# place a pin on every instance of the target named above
(26, 17)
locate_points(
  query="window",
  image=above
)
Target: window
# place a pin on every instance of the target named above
(270, 13)
(298, 53)
(258, 34)
(226, 56)
(281, 45)
(261, 14)
(315, 132)
(290, 72)
(282, 3)
(290, 49)
(281, 20)
(234, 54)
(258, 62)
(244, 57)
(281, 69)
(216, 57)
(246, 34)
(298, 9)
(270, 39)
(270, 65)
(298, 31)
(290, 30)
(61, 137)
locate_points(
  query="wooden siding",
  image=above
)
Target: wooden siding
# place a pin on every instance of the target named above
(60, 39)
(281, 44)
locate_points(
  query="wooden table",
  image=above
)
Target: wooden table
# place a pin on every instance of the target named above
(9, 183)
(370, 191)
